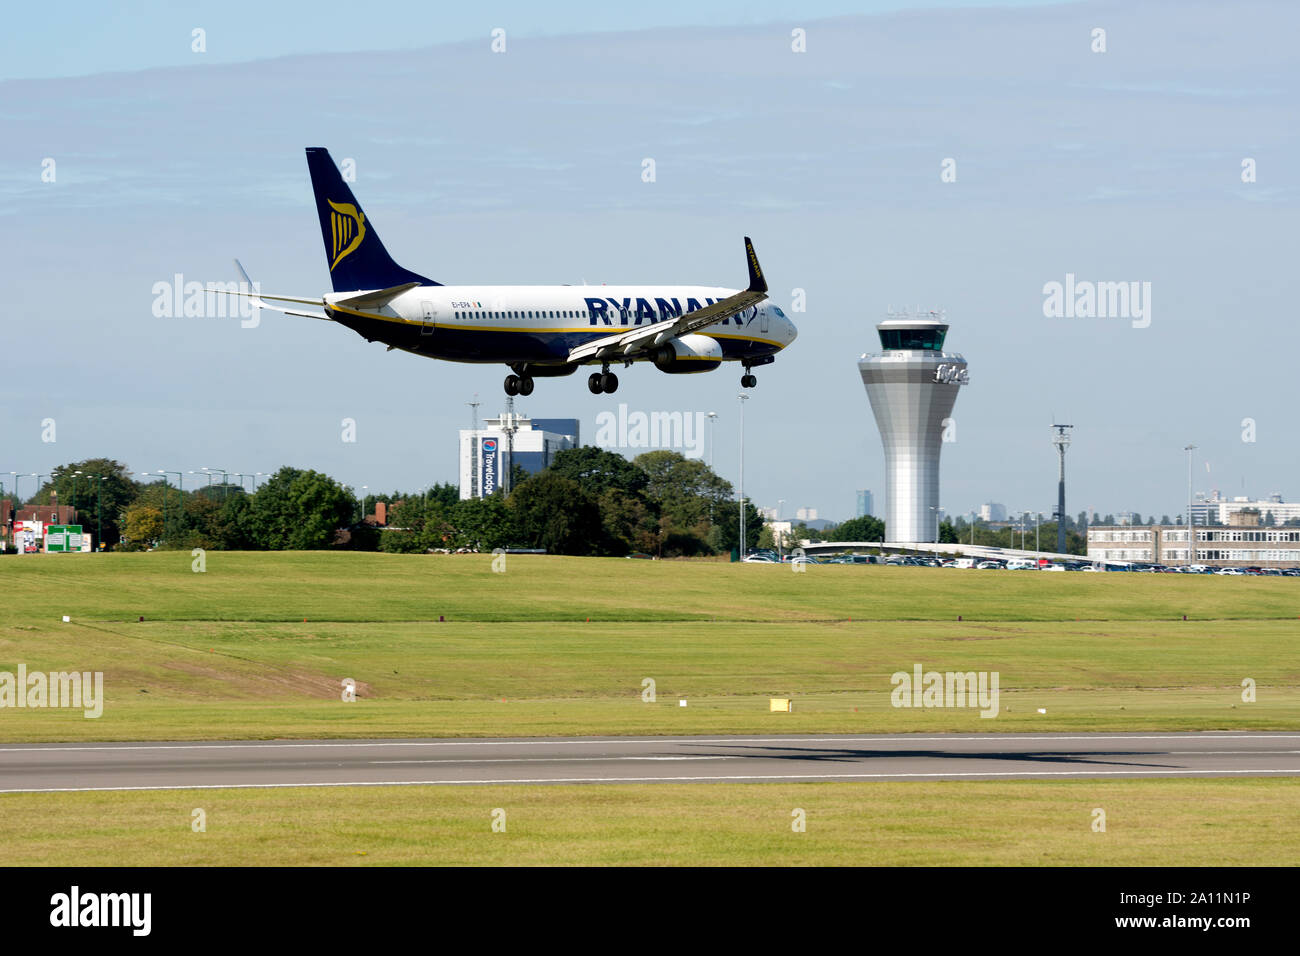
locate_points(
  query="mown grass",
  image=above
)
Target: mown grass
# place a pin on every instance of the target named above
(1247, 822)
(563, 645)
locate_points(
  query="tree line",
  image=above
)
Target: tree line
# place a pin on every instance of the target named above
(587, 502)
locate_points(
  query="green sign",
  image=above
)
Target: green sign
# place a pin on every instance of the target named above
(63, 538)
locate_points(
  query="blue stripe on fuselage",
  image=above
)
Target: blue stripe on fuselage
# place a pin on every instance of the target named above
(469, 344)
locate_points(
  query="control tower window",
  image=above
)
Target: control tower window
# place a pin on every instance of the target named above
(931, 339)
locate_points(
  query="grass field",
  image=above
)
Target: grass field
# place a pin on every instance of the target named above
(1246, 822)
(258, 644)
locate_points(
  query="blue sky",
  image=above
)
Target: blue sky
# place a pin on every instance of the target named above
(525, 168)
(96, 37)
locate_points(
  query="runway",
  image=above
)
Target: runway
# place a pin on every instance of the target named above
(40, 768)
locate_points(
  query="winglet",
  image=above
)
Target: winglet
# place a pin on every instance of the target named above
(756, 281)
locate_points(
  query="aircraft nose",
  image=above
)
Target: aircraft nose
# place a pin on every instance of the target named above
(791, 333)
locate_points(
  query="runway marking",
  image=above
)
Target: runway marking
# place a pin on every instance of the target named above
(809, 778)
(569, 741)
(453, 760)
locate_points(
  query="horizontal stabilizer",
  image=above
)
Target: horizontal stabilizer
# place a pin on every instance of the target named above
(373, 300)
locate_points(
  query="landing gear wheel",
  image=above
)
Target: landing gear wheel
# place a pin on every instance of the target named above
(525, 385)
(512, 384)
(748, 381)
(609, 383)
(593, 383)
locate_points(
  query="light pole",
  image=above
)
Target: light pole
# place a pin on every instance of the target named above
(713, 420)
(180, 491)
(241, 476)
(145, 474)
(475, 479)
(225, 479)
(743, 398)
(99, 509)
(1038, 520)
(99, 512)
(1191, 540)
(1062, 441)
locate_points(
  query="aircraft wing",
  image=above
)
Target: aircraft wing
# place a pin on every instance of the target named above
(623, 345)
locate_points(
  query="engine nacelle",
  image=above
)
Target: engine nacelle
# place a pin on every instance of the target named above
(687, 354)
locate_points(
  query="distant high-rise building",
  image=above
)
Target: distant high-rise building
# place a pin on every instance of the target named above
(486, 454)
(865, 504)
(992, 511)
(806, 514)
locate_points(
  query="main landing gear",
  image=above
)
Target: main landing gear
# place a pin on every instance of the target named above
(749, 379)
(519, 385)
(603, 381)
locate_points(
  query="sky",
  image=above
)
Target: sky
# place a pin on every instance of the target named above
(523, 167)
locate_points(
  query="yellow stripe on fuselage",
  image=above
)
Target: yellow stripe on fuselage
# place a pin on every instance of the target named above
(496, 328)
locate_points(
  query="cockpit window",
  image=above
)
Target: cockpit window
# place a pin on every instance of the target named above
(779, 313)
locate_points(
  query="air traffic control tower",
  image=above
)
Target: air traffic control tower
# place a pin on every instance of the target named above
(912, 386)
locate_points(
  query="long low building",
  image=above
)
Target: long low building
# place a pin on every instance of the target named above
(1216, 546)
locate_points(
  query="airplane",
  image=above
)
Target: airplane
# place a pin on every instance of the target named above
(537, 331)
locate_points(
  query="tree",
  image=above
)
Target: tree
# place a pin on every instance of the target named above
(598, 470)
(445, 494)
(947, 533)
(727, 523)
(299, 510)
(482, 523)
(690, 498)
(99, 503)
(143, 525)
(556, 514)
(866, 528)
(631, 523)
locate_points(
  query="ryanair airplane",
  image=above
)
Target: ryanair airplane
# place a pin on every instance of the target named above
(538, 331)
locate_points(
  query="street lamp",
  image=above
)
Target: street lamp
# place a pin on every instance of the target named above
(743, 398)
(713, 420)
(1191, 546)
(99, 509)
(1038, 519)
(225, 479)
(180, 491)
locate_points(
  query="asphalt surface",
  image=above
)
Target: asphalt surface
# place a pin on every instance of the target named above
(29, 768)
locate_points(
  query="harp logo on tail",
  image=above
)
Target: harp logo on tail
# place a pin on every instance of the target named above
(348, 227)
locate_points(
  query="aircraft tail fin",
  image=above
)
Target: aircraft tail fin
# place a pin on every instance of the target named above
(357, 259)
